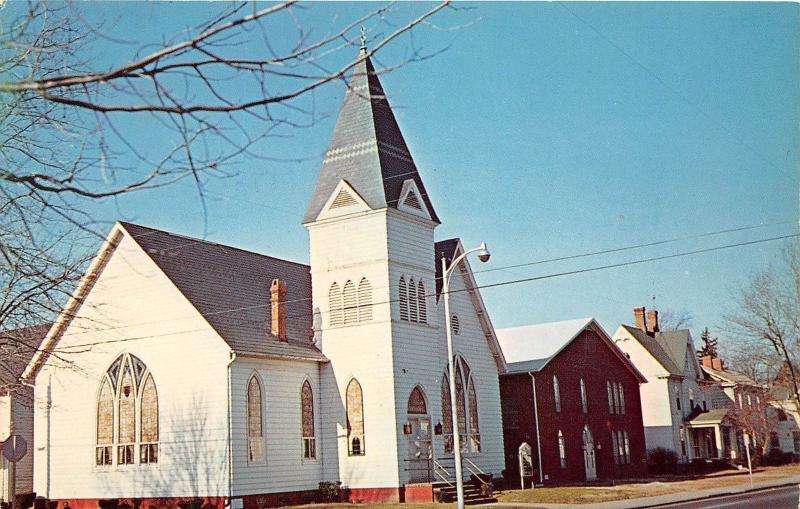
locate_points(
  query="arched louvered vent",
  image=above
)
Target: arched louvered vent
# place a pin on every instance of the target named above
(364, 300)
(455, 326)
(422, 306)
(403, 299)
(343, 199)
(412, 201)
(335, 298)
(412, 300)
(350, 302)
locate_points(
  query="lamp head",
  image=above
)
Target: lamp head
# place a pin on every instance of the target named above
(484, 254)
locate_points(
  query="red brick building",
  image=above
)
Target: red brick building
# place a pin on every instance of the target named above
(573, 396)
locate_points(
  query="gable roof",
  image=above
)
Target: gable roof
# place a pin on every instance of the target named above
(539, 342)
(450, 249)
(230, 287)
(728, 376)
(674, 365)
(367, 150)
(17, 348)
(531, 347)
(447, 249)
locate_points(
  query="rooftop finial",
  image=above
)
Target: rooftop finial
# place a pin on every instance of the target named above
(363, 38)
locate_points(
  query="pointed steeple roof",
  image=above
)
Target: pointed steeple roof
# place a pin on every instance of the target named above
(368, 150)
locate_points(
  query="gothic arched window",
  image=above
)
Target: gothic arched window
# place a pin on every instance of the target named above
(466, 405)
(556, 393)
(127, 391)
(584, 400)
(562, 449)
(307, 421)
(355, 419)
(148, 422)
(621, 400)
(255, 425)
(416, 402)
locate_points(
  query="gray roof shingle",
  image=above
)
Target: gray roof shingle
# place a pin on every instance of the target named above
(230, 288)
(368, 150)
(17, 348)
(665, 356)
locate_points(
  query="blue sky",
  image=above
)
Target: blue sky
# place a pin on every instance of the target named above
(549, 130)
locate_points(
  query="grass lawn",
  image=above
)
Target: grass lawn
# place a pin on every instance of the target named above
(592, 494)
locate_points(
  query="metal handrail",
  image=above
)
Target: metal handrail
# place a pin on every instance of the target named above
(477, 472)
(436, 467)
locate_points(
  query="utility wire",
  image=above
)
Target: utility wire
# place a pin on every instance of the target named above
(306, 299)
(489, 285)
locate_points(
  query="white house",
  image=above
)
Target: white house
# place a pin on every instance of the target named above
(203, 371)
(676, 411)
(16, 406)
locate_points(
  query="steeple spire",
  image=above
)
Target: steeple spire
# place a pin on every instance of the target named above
(368, 150)
(363, 48)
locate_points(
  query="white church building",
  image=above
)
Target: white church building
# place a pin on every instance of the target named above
(183, 370)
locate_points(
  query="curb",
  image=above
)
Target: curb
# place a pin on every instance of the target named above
(662, 500)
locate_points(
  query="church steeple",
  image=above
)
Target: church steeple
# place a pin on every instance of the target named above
(368, 151)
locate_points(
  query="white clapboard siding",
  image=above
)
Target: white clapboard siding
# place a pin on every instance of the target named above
(350, 248)
(421, 359)
(134, 308)
(284, 468)
(22, 424)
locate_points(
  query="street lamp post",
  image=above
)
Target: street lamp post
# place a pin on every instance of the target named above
(483, 256)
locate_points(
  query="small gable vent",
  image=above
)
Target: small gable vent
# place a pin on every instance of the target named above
(412, 201)
(455, 325)
(343, 199)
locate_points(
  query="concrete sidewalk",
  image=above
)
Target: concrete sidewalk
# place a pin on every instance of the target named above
(672, 498)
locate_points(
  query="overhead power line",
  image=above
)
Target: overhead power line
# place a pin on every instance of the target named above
(483, 286)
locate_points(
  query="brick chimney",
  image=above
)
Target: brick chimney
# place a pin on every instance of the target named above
(639, 319)
(712, 362)
(278, 314)
(652, 322)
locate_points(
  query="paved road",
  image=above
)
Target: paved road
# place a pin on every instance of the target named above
(776, 498)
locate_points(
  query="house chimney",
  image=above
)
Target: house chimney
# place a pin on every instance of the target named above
(707, 361)
(278, 314)
(652, 321)
(639, 319)
(716, 363)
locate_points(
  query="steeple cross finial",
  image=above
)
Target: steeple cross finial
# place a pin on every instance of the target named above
(363, 38)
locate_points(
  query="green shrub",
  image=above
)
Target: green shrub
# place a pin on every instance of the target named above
(661, 461)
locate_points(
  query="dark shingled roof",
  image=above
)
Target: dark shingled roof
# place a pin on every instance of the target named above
(368, 150)
(17, 347)
(729, 376)
(662, 349)
(446, 248)
(230, 288)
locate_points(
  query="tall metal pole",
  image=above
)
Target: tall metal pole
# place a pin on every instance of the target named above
(452, 373)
